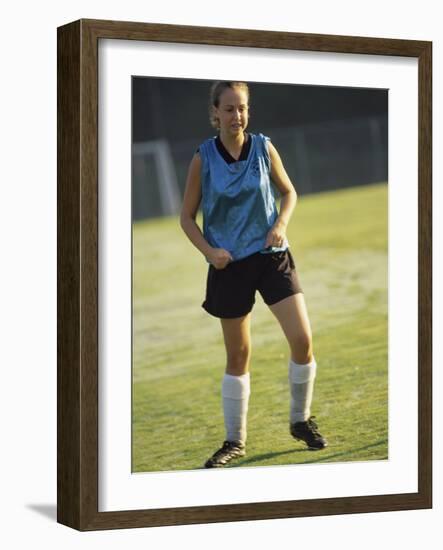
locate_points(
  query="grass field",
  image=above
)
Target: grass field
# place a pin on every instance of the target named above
(339, 241)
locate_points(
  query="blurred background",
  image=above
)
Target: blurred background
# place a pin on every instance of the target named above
(328, 137)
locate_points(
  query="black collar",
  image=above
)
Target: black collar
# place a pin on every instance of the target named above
(227, 156)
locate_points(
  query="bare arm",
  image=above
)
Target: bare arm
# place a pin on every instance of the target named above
(277, 234)
(218, 257)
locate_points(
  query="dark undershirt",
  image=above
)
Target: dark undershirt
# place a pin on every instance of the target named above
(227, 156)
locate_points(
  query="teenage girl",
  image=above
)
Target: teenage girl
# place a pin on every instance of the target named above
(244, 241)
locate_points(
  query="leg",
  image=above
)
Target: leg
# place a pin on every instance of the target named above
(293, 318)
(237, 336)
(236, 387)
(235, 390)
(292, 315)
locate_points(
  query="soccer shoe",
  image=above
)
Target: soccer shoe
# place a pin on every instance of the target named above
(308, 432)
(229, 451)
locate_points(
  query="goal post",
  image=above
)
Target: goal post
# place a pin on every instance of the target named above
(155, 189)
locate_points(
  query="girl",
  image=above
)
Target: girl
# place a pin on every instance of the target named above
(244, 241)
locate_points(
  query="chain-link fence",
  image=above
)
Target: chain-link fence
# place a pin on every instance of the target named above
(317, 157)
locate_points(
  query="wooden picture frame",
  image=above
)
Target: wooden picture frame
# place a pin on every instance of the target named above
(77, 227)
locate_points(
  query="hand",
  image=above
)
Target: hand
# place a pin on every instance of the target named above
(276, 236)
(219, 258)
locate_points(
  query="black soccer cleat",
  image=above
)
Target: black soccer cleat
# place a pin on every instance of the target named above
(308, 432)
(229, 451)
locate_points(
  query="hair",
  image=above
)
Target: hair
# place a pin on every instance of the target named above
(214, 97)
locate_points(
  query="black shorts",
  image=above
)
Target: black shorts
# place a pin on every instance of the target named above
(230, 292)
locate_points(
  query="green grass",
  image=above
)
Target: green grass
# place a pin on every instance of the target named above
(339, 241)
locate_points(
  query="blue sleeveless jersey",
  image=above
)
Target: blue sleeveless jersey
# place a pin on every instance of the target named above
(238, 201)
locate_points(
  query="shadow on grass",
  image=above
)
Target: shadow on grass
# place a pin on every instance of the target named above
(325, 456)
(266, 456)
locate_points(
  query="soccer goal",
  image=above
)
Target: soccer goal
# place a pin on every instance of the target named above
(155, 190)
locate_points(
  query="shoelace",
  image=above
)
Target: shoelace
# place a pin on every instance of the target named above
(312, 425)
(227, 446)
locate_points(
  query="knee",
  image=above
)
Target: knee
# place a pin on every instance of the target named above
(238, 361)
(301, 348)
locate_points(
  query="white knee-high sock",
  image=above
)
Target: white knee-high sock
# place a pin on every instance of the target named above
(235, 393)
(301, 382)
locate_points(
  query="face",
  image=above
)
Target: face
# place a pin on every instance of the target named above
(232, 112)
